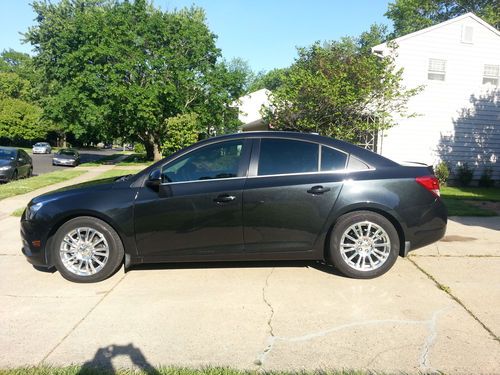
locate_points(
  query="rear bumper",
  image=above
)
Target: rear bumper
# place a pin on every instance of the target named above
(430, 227)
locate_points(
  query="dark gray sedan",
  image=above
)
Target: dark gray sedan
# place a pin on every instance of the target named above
(14, 163)
(246, 196)
(66, 156)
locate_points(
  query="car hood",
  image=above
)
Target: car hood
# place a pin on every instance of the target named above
(78, 189)
(4, 163)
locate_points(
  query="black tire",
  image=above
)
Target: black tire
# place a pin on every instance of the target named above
(343, 224)
(116, 251)
(30, 172)
(14, 175)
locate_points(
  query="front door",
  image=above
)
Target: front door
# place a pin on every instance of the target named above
(197, 210)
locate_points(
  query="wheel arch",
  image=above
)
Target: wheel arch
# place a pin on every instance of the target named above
(73, 215)
(386, 212)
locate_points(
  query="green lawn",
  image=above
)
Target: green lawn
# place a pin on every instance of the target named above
(78, 370)
(29, 184)
(454, 198)
(117, 172)
(103, 161)
(135, 159)
(470, 193)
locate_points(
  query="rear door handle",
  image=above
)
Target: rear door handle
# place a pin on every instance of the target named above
(224, 198)
(315, 190)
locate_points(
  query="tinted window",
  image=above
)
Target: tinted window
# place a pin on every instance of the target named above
(280, 156)
(331, 159)
(7, 154)
(67, 152)
(220, 160)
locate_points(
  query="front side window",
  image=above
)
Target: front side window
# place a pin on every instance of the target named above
(284, 156)
(436, 70)
(219, 160)
(491, 74)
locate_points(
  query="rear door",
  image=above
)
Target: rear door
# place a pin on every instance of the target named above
(291, 189)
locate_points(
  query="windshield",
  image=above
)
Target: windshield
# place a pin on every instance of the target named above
(67, 152)
(7, 154)
(40, 144)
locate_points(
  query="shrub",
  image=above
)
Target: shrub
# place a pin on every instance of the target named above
(464, 174)
(442, 172)
(182, 131)
(139, 148)
(486, 179)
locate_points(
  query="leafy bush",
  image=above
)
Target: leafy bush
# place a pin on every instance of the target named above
(442, 172)
(182, 131)
(464, 174)
(139, 148)
(486, 179)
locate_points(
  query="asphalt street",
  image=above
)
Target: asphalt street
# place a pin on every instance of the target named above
(42, 163)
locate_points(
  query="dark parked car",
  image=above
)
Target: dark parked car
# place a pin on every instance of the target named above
(14, 163)
(248, 196)
(66, 156)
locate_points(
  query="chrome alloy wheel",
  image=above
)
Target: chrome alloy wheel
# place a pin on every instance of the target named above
(365, 246)
(84, 251)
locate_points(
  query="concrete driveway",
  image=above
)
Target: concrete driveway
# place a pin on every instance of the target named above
(438, 310)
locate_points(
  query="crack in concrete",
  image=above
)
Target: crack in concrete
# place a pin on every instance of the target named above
(447, 290)
(424, 353)
(271, 339)
(80, 321)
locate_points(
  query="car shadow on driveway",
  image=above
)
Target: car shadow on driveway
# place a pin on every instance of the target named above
(102, 361)
(320, 266)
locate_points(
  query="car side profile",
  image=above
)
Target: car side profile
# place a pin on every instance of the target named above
(66, 157)
(246, 196)
(14, 163)
(42, 148)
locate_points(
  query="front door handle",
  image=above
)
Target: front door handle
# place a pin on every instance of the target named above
(224, 198)
(315, 190)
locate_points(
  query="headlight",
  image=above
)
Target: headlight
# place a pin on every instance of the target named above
(32, 210)
(6, 168)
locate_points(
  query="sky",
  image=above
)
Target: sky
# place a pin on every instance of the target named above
(265, 33)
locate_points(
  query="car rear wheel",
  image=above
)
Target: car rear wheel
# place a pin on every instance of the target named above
(363, 245)
(86, 249)
(14, 175)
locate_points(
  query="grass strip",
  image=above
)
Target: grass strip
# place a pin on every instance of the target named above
(457, 207)
(135, 159)
(471, 193)
(148, 369)
(106, 160)
(27, 185)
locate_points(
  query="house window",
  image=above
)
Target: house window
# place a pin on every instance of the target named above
(491, 74)
(467, 33)
(437, 70)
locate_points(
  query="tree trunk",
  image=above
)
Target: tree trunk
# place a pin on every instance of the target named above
(153, 150)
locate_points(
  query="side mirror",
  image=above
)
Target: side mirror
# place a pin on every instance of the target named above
(154, 180)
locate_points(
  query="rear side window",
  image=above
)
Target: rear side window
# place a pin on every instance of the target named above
(284, 156)
(332, 160)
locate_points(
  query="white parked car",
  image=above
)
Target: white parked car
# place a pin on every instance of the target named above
(42, 148)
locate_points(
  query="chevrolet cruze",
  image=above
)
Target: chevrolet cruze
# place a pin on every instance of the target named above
(247, 196)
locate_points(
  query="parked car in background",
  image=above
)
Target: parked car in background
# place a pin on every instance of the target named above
(14, 163)
(66, 156)
(246, 196)
(42, 148)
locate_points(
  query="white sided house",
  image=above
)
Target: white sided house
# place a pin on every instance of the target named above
(458, 63)
(250, 107)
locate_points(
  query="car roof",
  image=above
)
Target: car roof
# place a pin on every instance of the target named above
(363, 154)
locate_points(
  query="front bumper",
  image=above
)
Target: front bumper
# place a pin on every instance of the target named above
(6, 176)
(35, 252)
(71, 163)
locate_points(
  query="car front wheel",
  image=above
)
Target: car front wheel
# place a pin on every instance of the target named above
(86, 249)
(363, 245)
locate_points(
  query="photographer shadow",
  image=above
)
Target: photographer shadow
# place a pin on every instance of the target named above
(102, 361)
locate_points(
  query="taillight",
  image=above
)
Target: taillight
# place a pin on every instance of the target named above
(431, 183)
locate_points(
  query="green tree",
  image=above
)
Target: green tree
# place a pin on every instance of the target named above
(412, 15)
(182, 131)
(339, 89)
(270, 80)
(123, 69)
